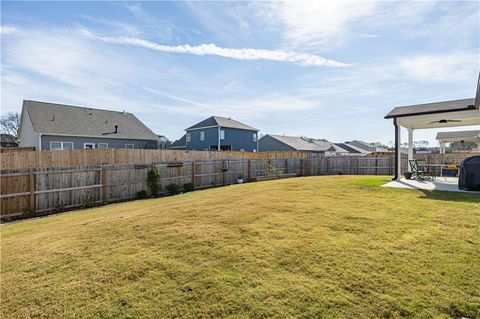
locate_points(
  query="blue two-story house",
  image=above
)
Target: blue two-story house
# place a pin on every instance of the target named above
(220, 133)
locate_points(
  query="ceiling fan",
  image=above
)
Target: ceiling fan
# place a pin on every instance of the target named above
(445, 121)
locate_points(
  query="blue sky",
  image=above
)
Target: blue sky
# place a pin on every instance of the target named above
(328, 69)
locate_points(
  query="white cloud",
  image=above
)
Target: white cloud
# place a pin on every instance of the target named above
(452, 67)
(303, 59)
(314, 23)
(8, 29)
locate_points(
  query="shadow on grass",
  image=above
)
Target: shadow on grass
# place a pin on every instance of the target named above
(472, 197)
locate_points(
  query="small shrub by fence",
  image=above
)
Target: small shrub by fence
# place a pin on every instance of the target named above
(54, 189)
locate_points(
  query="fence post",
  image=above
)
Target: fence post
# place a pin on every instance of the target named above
(249, 167)
(32, 190)
(376, 165)
(223, 172)
(103, 178)
(356, 165)
(301, 166)
(193, 175)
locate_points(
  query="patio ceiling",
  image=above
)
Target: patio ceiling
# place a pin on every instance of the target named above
(457, 136)
(441, 120)
(437, 115)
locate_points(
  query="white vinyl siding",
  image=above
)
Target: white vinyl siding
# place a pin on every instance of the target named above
(61, 146)
(202, 136)
(129, 146)
(222, 134)
(102, 146)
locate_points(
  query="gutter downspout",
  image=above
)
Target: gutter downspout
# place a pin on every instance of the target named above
(40, 142)
(397, 148)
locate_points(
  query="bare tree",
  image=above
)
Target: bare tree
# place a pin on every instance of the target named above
(10, 122)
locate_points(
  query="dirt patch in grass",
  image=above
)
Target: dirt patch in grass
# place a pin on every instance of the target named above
(331, 247)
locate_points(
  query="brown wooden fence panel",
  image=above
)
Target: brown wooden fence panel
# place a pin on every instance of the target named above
(33, 159)
(56, 188)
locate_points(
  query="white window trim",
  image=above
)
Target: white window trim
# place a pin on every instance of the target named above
(189, 137)
(222, 134)
(61, 145)
(254, 137)
(88, 143)
(202, 136)
(98, 146)
(133, 146)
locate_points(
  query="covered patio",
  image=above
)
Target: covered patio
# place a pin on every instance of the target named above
(459, 136)
(456, 113)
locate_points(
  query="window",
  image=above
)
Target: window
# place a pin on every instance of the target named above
(222, 134)
(102, 146)
(60, 146)
(202, 136)
(189, 137)
(254, 137)
(129, 146)
(89, 146)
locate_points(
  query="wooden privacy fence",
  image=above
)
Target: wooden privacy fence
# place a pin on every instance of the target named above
(38, 190)
(52, 189)
(29, 159)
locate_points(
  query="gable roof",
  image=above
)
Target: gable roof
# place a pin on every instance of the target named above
(367, 146)
(474, 134)
(181, 142)
(222, 122)
(68, 120)
(350, 148)
(432, 108)
(301, 144)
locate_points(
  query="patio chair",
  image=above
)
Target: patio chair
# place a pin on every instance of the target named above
(418, 168)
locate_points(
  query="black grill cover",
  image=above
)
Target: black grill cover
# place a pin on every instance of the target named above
(469, 179)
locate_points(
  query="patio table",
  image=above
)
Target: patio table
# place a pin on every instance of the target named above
(433, 168)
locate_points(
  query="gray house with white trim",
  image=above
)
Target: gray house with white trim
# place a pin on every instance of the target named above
(50, 126)
(221, 133)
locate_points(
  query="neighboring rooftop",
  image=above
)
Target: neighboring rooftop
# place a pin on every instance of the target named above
(222, 122)
(180, 143)
(61, 119)
(350, 148)
(302, 144)
(459, 135)
(432, 108)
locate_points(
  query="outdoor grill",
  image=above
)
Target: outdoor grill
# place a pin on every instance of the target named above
(469, 179)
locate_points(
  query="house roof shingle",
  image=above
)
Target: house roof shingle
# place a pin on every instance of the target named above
(222, 122)
(350, 148)
(181, 142)
(61, 119)
(429, 108)
(459, 134)
(301, 144)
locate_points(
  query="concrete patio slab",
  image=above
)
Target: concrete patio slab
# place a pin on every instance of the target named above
(448, 184)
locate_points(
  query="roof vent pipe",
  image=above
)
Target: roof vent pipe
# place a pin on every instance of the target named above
(116, 129)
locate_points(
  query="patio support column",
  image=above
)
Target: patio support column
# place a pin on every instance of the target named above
(410, 147)
(442, 147)
(397, 151)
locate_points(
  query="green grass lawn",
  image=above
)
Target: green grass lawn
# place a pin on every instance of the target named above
(313, 247)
